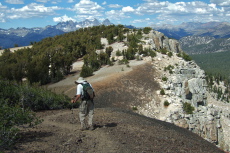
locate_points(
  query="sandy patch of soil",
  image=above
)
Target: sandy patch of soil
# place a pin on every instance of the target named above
(14, 49)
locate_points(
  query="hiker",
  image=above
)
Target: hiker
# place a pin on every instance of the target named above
(87, 104)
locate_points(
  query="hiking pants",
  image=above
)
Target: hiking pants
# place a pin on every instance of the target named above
(86, 108)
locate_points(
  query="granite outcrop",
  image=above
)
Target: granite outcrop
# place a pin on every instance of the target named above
(186, 83)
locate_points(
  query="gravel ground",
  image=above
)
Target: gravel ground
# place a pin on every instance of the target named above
(116, 131)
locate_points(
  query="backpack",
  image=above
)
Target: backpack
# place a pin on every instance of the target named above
(88, 92)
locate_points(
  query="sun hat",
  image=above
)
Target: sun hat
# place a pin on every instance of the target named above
(80, 80)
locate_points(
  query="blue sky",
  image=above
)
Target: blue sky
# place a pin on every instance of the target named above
(140, 13)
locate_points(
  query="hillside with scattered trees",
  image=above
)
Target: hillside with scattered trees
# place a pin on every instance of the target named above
(50, 59)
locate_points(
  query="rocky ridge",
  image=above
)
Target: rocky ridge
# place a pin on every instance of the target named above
(187, 84)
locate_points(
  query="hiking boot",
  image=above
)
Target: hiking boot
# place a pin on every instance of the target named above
(83, 128)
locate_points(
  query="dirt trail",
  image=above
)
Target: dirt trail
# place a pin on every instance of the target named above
(117, 128)
(115, 131)
(60, 132)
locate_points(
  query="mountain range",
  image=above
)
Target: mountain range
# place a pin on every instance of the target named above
(198, 38)
(192, 35)
(24, 36)
(213, 29)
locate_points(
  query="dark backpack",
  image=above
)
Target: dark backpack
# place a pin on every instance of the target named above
(88, 92)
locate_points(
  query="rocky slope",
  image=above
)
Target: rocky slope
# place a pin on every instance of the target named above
(210, 119)
(186, 84)
(204, 44)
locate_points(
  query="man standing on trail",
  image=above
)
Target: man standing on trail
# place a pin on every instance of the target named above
(86, 93)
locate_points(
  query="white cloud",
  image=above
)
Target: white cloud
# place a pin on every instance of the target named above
(222, 3)
(14, 1)
(141, 20)
(83, 5)
(32, 10)
(63, 18)
(177, 7)
(42, 1)
(159, 11)
(213, 5)
(128, 9)
(137, 21)
(2, 6)
(183, 11)
(52, 1)
(200, 11)
(2, 17)
(116, 15)
(87, 9)
(152, 8)
(114, 6)
(104, 3)
(2, 13)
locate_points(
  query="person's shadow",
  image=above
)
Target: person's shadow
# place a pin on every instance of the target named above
(106, 125)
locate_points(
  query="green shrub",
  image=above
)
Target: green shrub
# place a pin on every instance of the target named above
(148, 52)
(112, 59)
(146, 30)
(166, 103)
(169, 68)
(86, 71)
(31, 97)
(139, 32)
(152, 53)
(37, 98)
(170, 54)
(135, 108)
(186, 57)
(111, 62)
(16, 105)
(162, 92)
(188, 108)
(10, 117)
(164, 78)
(178, 55)
(118, 53)
(163, 51)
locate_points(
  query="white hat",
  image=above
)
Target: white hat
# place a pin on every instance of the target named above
(80, 80)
